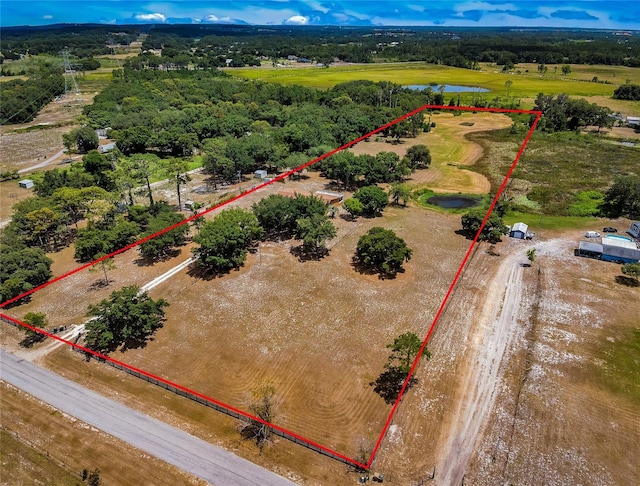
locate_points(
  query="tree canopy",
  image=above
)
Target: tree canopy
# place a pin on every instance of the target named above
(127, 319)
(623, 198)
(373, 199)
(225, 240)
(22, 269)
(382, 251)
(492, 231)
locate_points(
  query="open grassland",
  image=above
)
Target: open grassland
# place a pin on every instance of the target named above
(40, 445)
(423, 73)
(525, 85)
(555, 168)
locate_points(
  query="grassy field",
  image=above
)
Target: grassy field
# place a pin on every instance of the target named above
(525, 85)
(555, 168)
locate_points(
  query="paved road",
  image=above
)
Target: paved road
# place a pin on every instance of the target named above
(172, 445)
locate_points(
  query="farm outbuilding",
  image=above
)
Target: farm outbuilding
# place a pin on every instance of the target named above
(26, 183)
(589, 250)
(330, 197)
(260, 174)
(620, 249)
(519, 230)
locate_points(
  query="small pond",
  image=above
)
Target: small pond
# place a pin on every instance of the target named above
(448, 88)
(454, 201)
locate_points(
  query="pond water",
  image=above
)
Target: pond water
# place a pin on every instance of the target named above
(448, 88)
(453, 201)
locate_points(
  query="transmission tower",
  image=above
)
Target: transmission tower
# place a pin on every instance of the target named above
(71, 89)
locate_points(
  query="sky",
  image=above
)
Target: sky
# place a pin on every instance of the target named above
(594, 14)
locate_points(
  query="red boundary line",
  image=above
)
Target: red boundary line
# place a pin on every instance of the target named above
(254, 189)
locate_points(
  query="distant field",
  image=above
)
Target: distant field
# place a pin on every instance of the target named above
(524, 85)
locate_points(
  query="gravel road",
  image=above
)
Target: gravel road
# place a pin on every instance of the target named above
(168, 443)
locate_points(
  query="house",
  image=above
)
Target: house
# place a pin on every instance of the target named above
(519, 230)
(620, 249)
(26, 183)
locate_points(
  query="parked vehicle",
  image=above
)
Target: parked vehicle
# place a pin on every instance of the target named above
(635, 229)
(592, 234)
(609, 229)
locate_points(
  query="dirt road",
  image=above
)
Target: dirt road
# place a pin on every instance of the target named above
(497, 326)
(172, 445)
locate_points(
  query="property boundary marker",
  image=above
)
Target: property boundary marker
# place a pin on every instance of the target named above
(233, 411)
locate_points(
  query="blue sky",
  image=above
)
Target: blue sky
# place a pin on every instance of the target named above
(600, 14)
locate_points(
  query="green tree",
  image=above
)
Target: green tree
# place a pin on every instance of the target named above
(103, 238)
(144, 166)
(216, 162)
(404, 350)
(127, 319)
(492, 231)
(353, 207)
(632, 270)
(399, 192)
(382, 251)
(566, 69)
(176, 169)
(623, 198)
(86, 139)
(35, 319)
(419, 157)
(160, 246)
(225, 240)
(22, 269)
(531, 255)
(314, 231)
(103, 265)
(373, 199)
(508, 83)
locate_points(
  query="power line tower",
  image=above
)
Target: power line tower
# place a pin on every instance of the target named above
(72, 93)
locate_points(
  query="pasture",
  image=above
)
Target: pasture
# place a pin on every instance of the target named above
(526, 82)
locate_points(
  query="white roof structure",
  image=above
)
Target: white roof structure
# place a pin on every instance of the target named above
(520, 227)
(618, 241)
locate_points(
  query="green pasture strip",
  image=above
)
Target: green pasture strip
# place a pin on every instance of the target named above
(523, 85)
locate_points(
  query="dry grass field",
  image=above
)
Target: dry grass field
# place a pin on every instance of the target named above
(40, 445)
(528, 381)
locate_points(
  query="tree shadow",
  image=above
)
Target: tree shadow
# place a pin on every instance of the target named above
(100, 284)
(347, 217)
(163, 257)
(627, 281)
(363, 269)
(305, 254)
(389, 383)
(207, 274)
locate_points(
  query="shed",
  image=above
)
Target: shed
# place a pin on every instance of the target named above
(260, 174)
(26, 183)
(519, 230)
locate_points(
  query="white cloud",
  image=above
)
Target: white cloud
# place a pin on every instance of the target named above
(157, 17)
(297, 20)
(47, 17)
(211, 18)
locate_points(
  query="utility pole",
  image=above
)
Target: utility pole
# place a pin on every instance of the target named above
(70, 83)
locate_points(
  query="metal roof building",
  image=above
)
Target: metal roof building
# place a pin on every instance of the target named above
(620, 249)
(519, 230)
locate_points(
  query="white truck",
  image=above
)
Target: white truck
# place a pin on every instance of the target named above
(635, 229)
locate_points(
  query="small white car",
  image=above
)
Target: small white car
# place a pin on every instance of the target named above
(592, 234)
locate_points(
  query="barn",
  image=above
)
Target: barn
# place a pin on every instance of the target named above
(519, 230)
(589, 250)
(26, 183)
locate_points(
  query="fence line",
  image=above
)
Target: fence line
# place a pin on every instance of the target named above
(216, 406)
